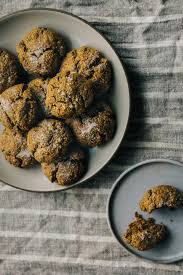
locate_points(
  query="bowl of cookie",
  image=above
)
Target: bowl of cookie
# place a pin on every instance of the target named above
(64, 100)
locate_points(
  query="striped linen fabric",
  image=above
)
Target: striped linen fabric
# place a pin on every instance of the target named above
(67, 233)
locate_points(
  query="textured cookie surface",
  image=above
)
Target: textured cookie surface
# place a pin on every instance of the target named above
(14, 147)
(41, 51)
(48, 140)
(159, 196)
(38, 88)
(8, 70)
(94, 127)
(91, 64)
(144, 234)
(68, 95)
(67, 170)
(18, 108)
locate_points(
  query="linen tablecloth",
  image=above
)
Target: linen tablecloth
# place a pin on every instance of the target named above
(67, 233)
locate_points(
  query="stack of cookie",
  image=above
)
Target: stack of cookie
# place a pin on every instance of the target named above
(52, 107)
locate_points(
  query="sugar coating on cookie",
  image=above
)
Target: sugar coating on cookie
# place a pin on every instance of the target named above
(48, 140)
(94, 127)
(8, 70)
(18, 108)
(41, 51)
(92, 65)
(144, 234)
(68, 96)
(160, 196)
(13, 145)
(68, 169)
(38, 88)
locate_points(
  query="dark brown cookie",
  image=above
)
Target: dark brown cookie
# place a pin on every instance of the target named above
(38, 88)
(160, 196)
(18, 108)
(13, 145)
(41, 51)
(68, 169)
(144, 234)
(8, 70)
(92, 65)
(48, 140)
(94, 127)
(68, 96)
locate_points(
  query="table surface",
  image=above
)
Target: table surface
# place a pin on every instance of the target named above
(67, 233)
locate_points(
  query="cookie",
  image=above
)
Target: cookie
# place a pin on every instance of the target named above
(68, 96)
(13, 145)
(38, 88)
(68, 169)
(160, 196)
(48, 140)
(92, 65)
(144, 234)
(94, 127)
(41, 51)
(18, 108)
(8, 70)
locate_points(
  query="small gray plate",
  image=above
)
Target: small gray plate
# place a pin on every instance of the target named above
(77, 32)
(123, 202)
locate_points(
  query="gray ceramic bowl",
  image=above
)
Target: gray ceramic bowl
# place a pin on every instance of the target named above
(77, 32)
(123, 202)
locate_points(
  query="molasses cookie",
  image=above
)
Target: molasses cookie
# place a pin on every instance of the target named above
(41, 51)
(13, 145)
(94, 127)
(48, 140)
(144, 234)
(38, 88)
(68, 169)
(18, 108)
(92, 65)
(68, 96)
(8, 70)
(160, 196)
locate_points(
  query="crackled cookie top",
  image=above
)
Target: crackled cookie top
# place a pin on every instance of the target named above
(144, 234)
(68, 95)
(68, 169)
(48, 140)
(18, 107)
(41, 51)
(38, 88)
(8, 70)
(94, 127)
(159, 196)
(13, 145)
(91, 64)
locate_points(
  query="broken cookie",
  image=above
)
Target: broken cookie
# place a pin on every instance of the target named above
(90, 63)
(144, 234)
(159, 196)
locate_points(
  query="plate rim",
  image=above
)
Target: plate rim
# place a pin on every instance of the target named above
(127, 81)
(117, 181)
